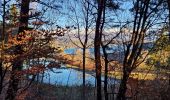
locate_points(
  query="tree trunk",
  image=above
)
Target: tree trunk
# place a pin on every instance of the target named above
(106, 79)
(169, 80)
(168, 2)
(84, 64)
(1, 80)
(17, 65)
(122, 89)
(13, 82)
(97, 43)
(98, 72)
(106, 72)
(2, 46)
(24, 15)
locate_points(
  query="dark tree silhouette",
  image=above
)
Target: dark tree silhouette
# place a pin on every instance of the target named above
(23, 21)
(143, 20)
(97, 43)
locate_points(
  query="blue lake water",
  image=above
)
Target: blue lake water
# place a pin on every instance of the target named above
(68, 77)
(70, 51)
(109, 49)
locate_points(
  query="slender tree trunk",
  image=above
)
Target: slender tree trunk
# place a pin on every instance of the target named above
(97, 44)
(169, 81)
(105, 53)
(106, 72)
(123, 87)
(84, 51)
(1, 80)
(106, 79)
(2, 48)
(168, 2)
(84, 64)
(98, 71)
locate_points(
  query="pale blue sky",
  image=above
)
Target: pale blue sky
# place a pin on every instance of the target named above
(63, 21)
